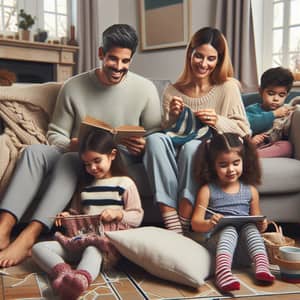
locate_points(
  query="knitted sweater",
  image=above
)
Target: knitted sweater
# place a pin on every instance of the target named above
(260, 120)
(116, 193)
(225, 98)
(133, 101)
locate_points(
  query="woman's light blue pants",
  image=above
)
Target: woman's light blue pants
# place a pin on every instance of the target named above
(170, 170)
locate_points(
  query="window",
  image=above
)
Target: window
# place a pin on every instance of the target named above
(56, 20)
(8, 15)
(286, 34)
(54, 16)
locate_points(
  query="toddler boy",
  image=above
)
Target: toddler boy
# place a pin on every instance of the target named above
(274, 88)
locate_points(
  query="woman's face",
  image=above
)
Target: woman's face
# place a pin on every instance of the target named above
(203, 61)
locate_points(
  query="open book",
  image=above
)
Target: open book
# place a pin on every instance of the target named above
(120, 132)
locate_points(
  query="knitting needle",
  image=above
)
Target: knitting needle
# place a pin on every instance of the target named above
(207, 209)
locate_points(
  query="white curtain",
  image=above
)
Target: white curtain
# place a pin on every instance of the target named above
(234, 19)
(88, 34)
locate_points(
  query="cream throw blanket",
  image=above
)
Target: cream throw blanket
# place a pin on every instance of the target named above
(25, 111)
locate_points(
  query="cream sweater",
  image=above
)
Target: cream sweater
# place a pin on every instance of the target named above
(224, 98)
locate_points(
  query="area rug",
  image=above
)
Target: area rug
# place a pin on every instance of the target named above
(130, 282)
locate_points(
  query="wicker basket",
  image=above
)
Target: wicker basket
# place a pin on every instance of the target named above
(274, 240)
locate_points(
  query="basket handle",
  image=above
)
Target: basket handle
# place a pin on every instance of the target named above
(277, 227)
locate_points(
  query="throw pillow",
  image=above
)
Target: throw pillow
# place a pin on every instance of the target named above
(164, 253)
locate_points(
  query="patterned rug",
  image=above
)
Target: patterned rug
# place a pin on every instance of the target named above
(130, 282)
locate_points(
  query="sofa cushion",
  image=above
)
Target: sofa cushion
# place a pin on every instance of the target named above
(280, 175)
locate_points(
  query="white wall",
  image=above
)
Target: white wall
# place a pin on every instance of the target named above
(108, 13)
(164, 63)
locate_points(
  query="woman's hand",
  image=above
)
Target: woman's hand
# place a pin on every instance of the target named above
(60, 216)
(207, 116)
(110, 215)
(262, 225)
(176, 106)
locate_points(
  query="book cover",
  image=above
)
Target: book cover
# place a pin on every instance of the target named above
(120, 132)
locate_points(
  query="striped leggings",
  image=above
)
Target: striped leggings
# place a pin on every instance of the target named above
(229, 236)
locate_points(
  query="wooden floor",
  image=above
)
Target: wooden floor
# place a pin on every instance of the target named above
(24, 282)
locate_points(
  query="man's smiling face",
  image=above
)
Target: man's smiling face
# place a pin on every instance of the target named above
(115, 64)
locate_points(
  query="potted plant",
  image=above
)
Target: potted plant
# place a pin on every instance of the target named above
(26, 21)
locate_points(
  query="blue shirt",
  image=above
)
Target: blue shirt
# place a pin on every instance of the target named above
(260, 120)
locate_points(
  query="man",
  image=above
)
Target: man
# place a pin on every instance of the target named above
(48, 174)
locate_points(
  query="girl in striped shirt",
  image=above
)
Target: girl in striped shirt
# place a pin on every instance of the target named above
(109, 201)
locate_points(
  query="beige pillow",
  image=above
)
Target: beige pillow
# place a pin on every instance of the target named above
(164, 253)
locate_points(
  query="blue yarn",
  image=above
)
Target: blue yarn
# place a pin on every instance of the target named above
(187, 128)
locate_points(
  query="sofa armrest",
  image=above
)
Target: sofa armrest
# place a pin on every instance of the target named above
(294, 133)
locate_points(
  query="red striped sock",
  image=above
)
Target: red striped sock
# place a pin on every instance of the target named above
(171, 221)
(262, 271)
(225, 280)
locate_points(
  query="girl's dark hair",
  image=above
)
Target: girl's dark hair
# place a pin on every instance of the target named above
(103, 142)
(209, 149)
(121, 36)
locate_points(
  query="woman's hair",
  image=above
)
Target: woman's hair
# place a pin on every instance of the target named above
(208, 151)
(216, 39)
(102, 142)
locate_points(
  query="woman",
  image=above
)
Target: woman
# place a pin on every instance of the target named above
(206, 87)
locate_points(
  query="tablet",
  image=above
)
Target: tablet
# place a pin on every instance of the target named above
(237, 220)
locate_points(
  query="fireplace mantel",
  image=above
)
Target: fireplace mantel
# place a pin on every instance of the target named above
(63, 57)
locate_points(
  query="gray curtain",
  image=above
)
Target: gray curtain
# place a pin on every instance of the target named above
(234, 19)
(88, 34)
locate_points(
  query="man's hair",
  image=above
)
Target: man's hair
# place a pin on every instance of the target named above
(121, 36)
(278, 76)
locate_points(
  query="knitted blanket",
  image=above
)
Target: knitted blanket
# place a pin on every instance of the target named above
(25, 112)
(186, 128)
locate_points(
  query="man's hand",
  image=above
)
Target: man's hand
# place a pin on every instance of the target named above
(134, 144)
(110, 215)
(74, 145)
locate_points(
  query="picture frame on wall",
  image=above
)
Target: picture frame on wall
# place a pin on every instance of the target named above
(164, 23)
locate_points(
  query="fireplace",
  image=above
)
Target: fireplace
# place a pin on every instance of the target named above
(28, 71)
(37, 62)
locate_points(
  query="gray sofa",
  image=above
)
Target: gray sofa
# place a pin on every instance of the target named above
(280, 189)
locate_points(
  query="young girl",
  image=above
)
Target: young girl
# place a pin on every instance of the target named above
(228, 170)
(109, 194)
